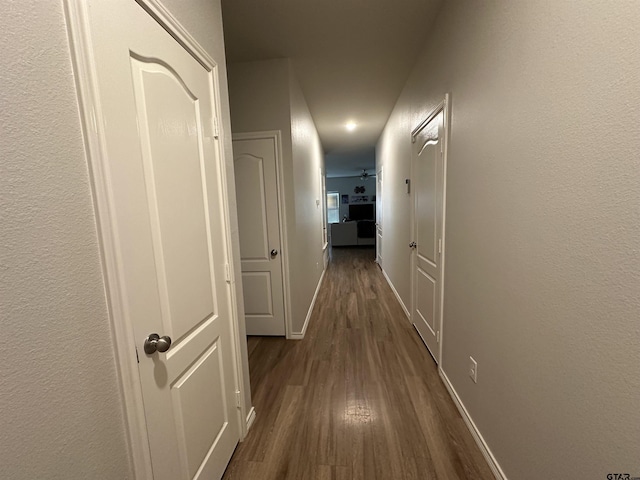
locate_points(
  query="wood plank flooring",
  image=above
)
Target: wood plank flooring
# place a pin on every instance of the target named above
(358, 398)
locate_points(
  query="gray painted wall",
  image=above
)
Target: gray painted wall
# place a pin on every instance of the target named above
(346, 185)
(543, 224)
(308, 170)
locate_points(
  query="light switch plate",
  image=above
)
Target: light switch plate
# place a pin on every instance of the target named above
(473, 369)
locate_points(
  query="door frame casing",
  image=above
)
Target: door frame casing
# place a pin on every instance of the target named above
(445, 107)
(379, 213)
(276, 136)
(85, 74)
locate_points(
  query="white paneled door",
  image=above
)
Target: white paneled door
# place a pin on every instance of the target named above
(428, 191)
(163, 166)
(255, 164)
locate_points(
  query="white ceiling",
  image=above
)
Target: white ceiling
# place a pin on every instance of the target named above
(352, 58)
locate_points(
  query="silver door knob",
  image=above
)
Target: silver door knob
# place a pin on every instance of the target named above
(274, 252)
(413, 245)
(155, 343)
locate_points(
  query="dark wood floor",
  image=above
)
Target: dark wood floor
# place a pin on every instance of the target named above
(358, 398)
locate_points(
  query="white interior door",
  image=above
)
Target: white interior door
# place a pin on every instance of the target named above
(379, 217)
(260, 247)
(428, 188)
(164, 170)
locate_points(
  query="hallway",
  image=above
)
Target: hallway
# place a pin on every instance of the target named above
(358, 398)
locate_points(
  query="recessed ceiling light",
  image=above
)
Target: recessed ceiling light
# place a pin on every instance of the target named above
(351, 126)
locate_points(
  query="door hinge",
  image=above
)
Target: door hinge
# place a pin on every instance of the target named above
(439, 246)
(137, 357)
(438, 336)
(238, 398)
(227, 272)
(216, 128)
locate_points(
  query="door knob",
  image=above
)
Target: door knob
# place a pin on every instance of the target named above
(274, 252)
(155, 342)
(413, 245)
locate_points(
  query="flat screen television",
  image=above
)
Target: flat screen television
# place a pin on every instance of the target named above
(362, 212)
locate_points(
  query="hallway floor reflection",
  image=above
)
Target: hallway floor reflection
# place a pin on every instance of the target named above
(358, 398)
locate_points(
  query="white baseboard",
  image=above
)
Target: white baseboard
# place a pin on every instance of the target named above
(300, 335)
(395, 292)
(477, 436)
(251, 417)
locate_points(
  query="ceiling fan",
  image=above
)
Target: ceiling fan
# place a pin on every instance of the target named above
(364, 175)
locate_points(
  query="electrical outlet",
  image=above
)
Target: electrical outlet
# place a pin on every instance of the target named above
(473, 370)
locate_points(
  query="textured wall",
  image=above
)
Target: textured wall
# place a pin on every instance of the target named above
(394, 153)
(308, 167)
(543, 224)
(60, 410)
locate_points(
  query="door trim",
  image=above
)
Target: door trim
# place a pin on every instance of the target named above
(379, 213)
(95, 150)
(445, 107)
(276, 136)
